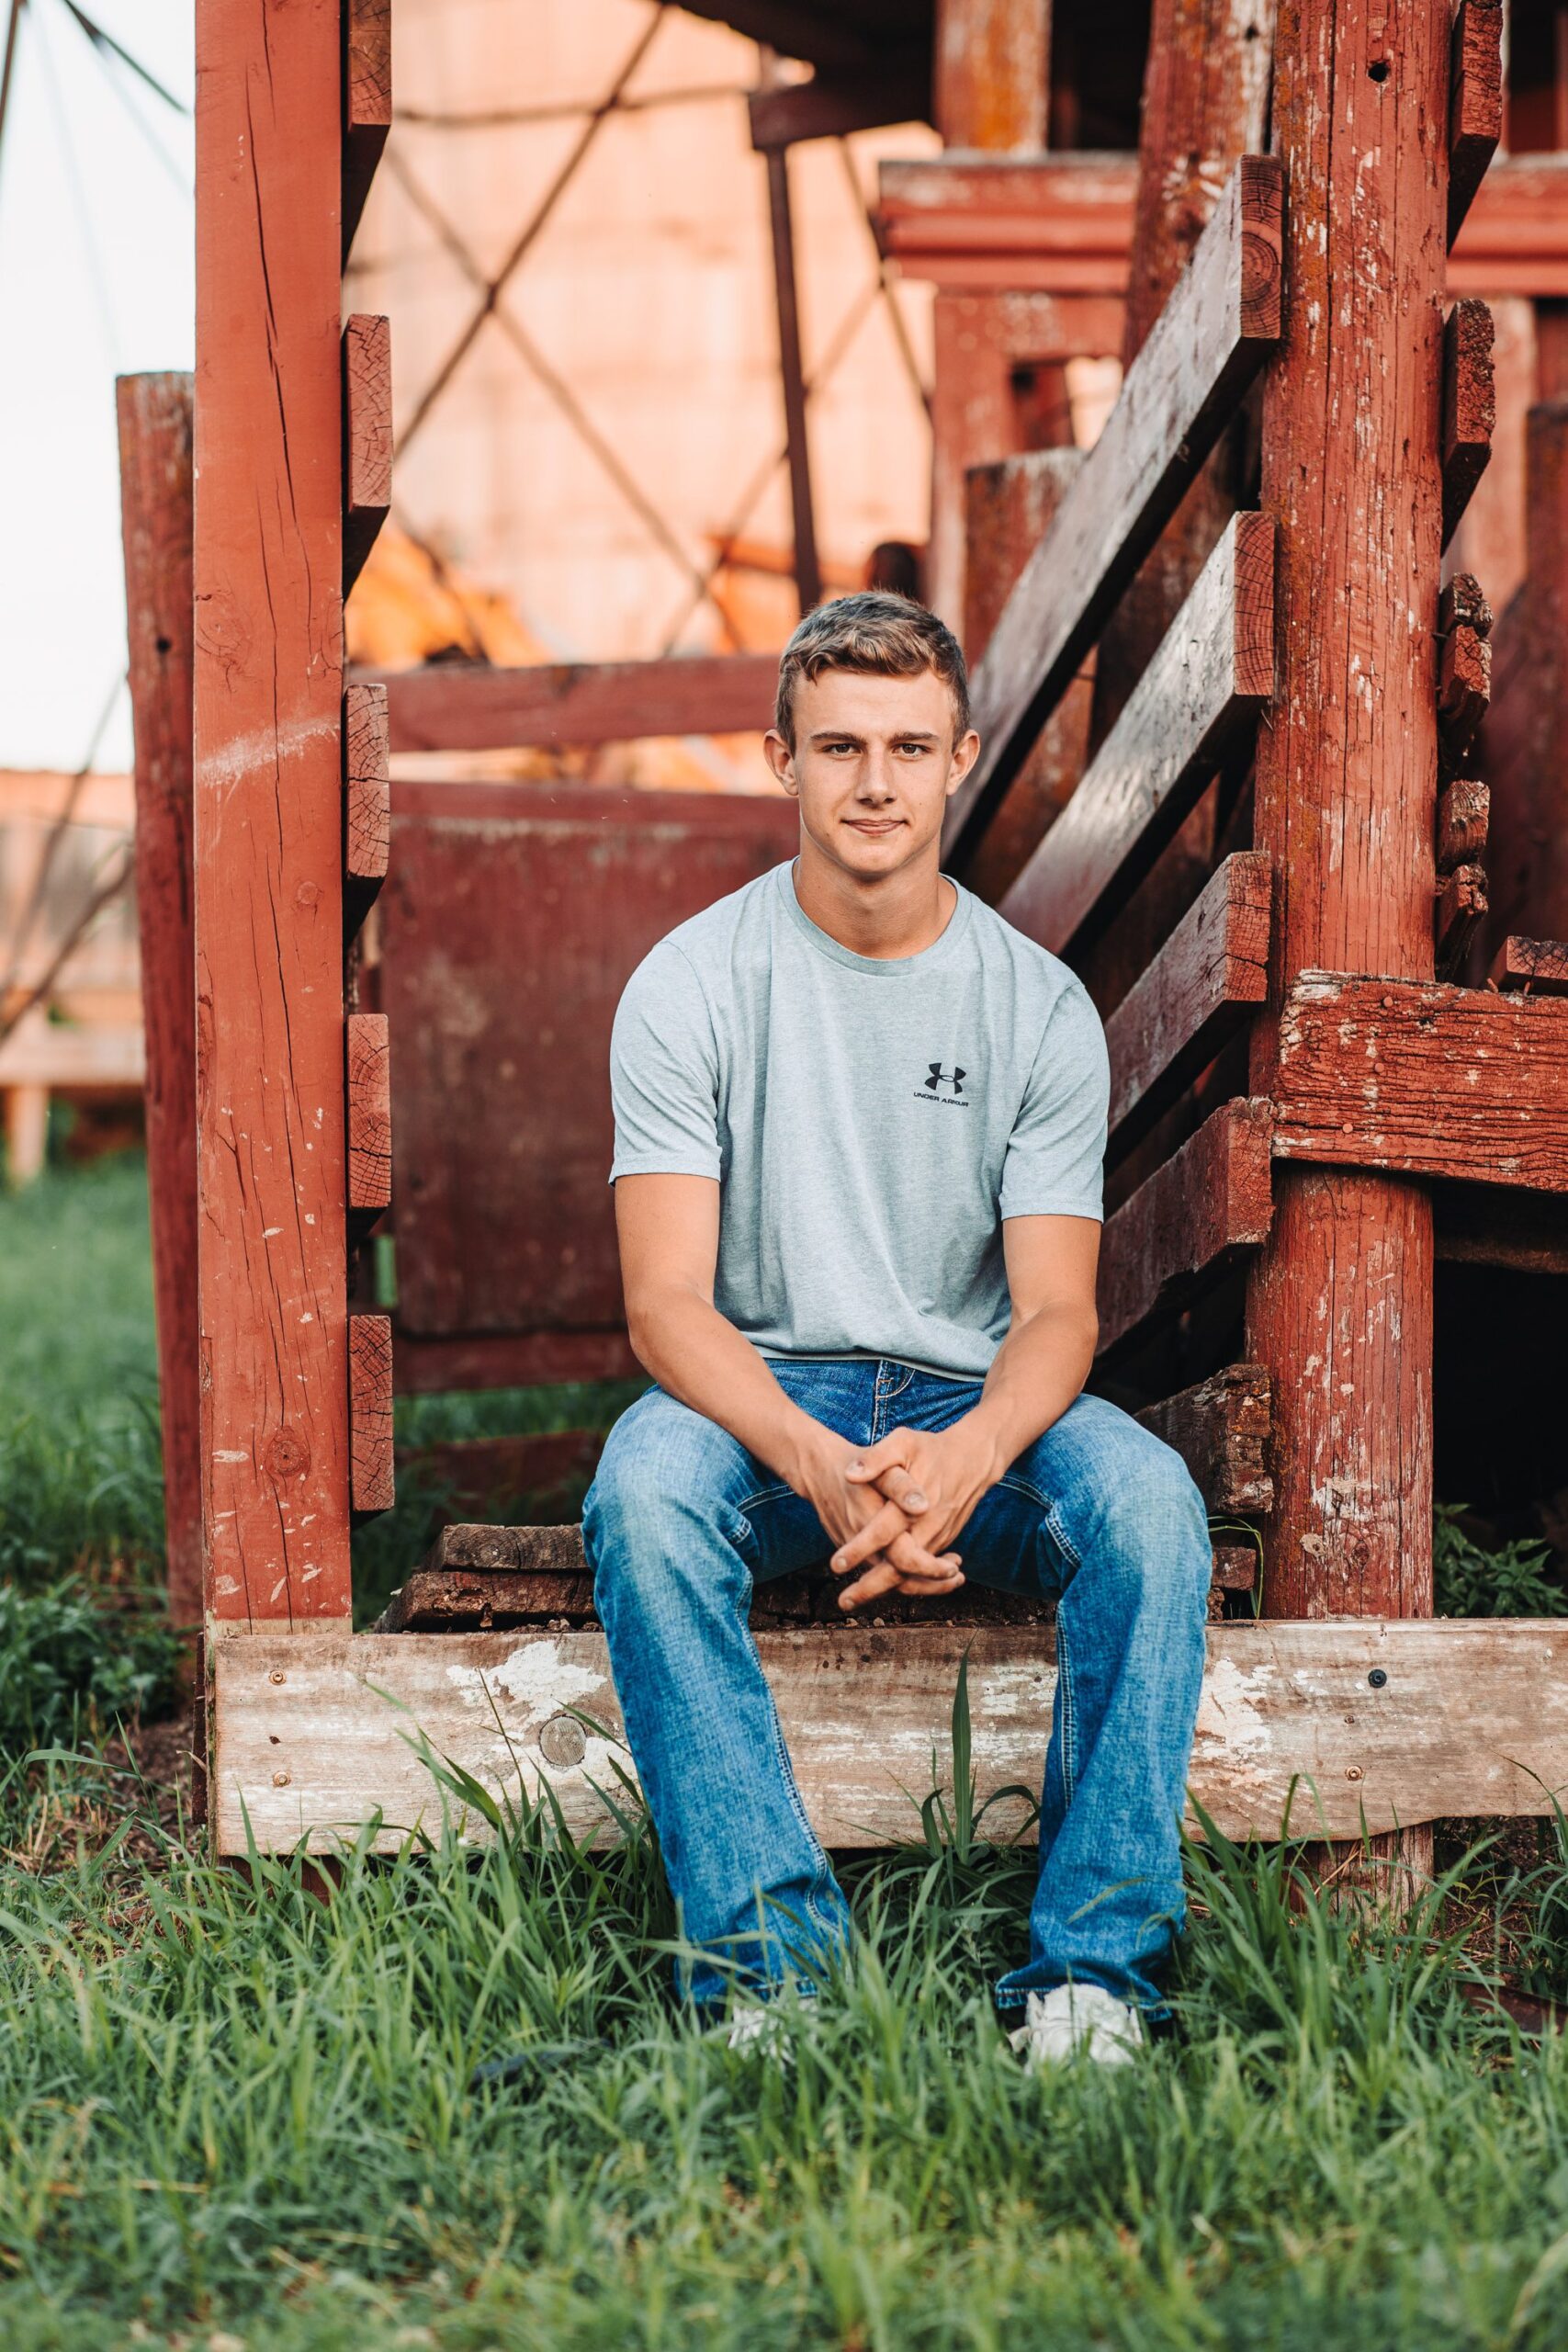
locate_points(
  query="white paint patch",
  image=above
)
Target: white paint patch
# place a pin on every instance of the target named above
(231, 1453)
(535, 1677)
(1229, 1709)
(246, 756)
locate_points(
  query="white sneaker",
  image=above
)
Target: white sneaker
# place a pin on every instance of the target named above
(1077, 2016)
(760, 2031)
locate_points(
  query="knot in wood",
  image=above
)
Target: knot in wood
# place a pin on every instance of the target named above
(287, 1455)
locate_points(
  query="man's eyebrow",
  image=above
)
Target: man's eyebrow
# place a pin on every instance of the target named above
(848, 735)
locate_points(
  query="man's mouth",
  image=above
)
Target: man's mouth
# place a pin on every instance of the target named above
(875, 824)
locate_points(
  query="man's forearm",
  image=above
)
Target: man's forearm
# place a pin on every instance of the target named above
(1035, 1375)
(697, 1355)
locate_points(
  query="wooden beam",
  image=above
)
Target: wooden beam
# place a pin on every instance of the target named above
(1332, 1723)
(1214, 669)
(268, 829)
(451, 707)
(1223, 1429)
(991, 74)
(367, 103)
(1521, 744)
(433, 1364)
(1008, 507)
(1463, 812)
(370, 1413)
(1470, 406)
(1540, 966)
(367, 437)
(832, 106)
(1188, 1223)
(1198, 991)
(1423, 1079)
(1460, 910)
(155, 428)
(369, 1118)
(1464, 690)
(366, 801)
(1464, 604)
(792, 378)
(1211, 339)
(1339, 1299)
(1475, 103)
(1492, 1224)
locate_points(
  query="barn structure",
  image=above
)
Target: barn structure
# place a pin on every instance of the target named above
(1234, 697)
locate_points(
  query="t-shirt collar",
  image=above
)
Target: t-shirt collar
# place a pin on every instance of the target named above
(930, 958)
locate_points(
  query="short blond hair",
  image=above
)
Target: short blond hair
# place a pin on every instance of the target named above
(880, 635)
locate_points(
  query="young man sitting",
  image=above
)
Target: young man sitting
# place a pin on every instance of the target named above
(859, 1128)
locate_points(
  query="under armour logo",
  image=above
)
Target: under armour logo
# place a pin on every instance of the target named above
(938, 1078)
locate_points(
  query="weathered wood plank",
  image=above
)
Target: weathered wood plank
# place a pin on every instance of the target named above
(1212, 970)
(1460, 910)
(1492, 1224)
(1463, 813)
(369, 1079)
(503, 1478)
(1468, 1718)
(1538, 965)
(155, 428)
(1214, 669)
(1470, 406)
(1211, 339)
(370, 1413)
(1188, 1222)
(1464, 690)
(1463, 603)
(1222, 1429)
(1425, 1079)
(1008, 507)
(991, 74)
(367, 436)
(367, 103)
(268, 823)
(1475, 103)
(448, 708)
(366, 801)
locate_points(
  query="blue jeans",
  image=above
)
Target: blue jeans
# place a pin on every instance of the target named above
(681, 1521)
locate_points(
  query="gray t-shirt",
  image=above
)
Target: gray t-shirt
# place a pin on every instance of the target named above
(870, 1121)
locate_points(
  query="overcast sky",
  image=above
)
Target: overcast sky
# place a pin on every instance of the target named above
(96, 281)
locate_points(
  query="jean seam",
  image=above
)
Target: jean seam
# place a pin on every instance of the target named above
(1025, 1487)
(802, 1819)
(764, 1495)
(1063, 1664)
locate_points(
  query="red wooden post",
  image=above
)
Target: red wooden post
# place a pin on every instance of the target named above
(269, 810)
(990, 92)
(154, 415)
(1339, 1303)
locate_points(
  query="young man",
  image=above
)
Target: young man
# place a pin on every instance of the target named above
(859, 1128)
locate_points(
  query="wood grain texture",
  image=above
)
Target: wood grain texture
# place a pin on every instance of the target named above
(1464, 815)
(1198, 991)
(155, 428)
(316, 1736)
(1211, 338)
(1464, 604)
(1188, 1223)
(1008, 507)
(369, 1081)
(1538, 964)
(367, 436)
(367, 102)
(1464, 690)
(1212, 671)
(269, 821)
(1470, 406)
(1222, 1428)
(1426, 1078)
(1340, 1300)
(366, 801)
(370, 1413)
(1475, 103)
(450, 707)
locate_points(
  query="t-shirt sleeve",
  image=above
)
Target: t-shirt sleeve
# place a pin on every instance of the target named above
(664, 1072)
(1055, 1156)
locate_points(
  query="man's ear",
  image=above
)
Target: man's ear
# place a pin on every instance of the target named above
(781, 759)
(965, 751)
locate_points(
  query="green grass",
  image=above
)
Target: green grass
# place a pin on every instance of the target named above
(232, 2114)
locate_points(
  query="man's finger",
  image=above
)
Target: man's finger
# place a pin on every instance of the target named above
(884, 1578)
(889, 1453)
(900, 1486)
(912, 1560)
(874, 1536)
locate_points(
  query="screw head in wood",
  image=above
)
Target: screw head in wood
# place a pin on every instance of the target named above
(1378, 1677)
(1353, 1773)
(280, 1779)
(563, 1741)
(277, 1675)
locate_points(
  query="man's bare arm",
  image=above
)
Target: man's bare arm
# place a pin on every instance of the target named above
(667, 1230)
(1036, 1372)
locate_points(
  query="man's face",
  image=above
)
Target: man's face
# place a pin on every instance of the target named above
(872, 766)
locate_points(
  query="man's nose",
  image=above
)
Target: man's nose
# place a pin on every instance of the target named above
(875, 781)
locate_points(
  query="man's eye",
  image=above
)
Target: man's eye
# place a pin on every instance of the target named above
(913, 750)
